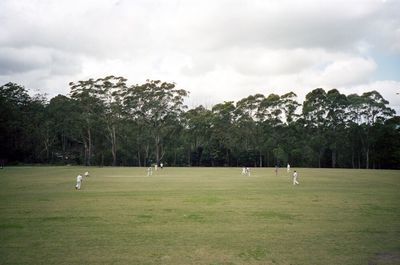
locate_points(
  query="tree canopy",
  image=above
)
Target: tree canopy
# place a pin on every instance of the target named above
(106, 121)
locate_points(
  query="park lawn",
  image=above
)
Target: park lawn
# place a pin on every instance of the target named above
(198, 216)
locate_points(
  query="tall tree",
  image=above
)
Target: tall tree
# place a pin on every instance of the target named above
(222, 131)
(314, 112)
(248, 117)
(84, 92)
(336, 104)
(157, 105)
(14, 105)
(374, 109)
(198, 122)
(110, 91)
(64, 119)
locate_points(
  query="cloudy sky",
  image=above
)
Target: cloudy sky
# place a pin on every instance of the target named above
(218, 50)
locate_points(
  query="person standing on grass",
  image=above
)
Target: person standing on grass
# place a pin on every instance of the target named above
(78, 182)
(86, 174)
(276, 170)
(295, 182)
(288, 167)
(150, 171)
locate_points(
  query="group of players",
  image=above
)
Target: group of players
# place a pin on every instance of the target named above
(245, 172)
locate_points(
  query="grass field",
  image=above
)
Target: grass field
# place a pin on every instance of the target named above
(199, 216)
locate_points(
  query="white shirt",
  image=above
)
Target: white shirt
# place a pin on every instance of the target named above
(79, 178)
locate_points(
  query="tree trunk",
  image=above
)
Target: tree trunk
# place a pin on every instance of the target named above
(85, 152)
(260, 156)
(367, 158)
(333, 158)
(140, 162)
(319, 157)
(89, 155)
(146, 156)
(157, 142)
(113, 145)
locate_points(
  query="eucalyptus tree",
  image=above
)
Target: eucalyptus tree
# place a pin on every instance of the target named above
(270, 113)
(336, 116)
(158, 106)
(374, 110)
(63, 114)
(270, 110)
(289, 105)
(110, 91)
(314, 113)
(354, 131)
(387, 154)
(197, 124)
(222, 131)
(14, 116)
(42, 136)
(89, 105)
(248, 124)
(289, 134)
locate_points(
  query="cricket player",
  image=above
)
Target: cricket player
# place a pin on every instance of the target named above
(78, 182)
(248, 171)
(150, 171)
(295, 182)
(244, 171)
(288, 167)
(86, 174)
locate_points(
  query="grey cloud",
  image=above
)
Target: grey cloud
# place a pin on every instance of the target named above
(21, 60)
(328, 24)
(16, 61)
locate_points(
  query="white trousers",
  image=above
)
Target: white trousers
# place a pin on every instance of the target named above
(295, 182)
(78, 185)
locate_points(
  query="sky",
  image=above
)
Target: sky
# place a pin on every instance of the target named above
(218, 50)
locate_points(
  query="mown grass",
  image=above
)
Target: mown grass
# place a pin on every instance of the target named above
(198, 216)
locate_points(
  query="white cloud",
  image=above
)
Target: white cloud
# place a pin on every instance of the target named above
(219, 50)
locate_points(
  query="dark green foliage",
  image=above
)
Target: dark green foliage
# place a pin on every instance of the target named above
(106, 122)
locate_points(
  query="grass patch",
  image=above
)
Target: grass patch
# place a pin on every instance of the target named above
(11, 226)
(274, 215)
(198, 216)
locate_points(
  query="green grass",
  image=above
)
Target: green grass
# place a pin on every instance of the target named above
(198, 216)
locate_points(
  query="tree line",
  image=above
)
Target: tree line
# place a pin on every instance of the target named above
(105, 121)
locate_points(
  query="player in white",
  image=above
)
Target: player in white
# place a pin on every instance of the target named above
(248, 171)
(244, 171)
(295, 182)
(87, 174)
(288, 167)
(150, 171)
(78, 182)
